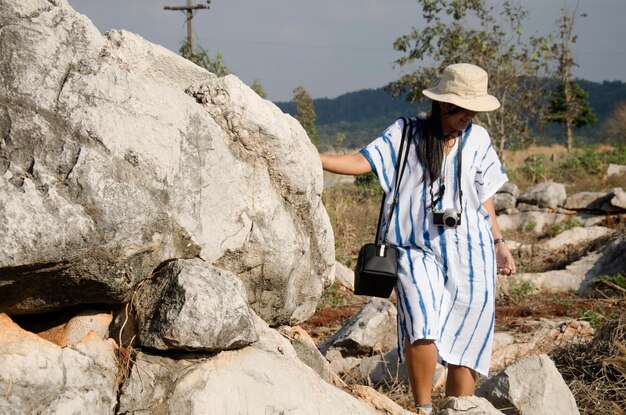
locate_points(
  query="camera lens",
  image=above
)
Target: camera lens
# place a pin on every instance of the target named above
(450, 219)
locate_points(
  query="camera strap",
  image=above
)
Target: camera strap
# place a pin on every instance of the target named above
(442, 188)
(403, 155)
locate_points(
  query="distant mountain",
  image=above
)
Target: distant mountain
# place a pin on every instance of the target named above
(362, 115)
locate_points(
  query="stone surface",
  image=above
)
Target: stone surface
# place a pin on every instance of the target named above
(191, 305)
(78, 327)
(545, 195)
(545, 393)
(39, 377)
(509, 188)
(619, 198)
(467, 405)
(615, 170)
(247, 381)
(586, 200)
(344, 276)
(101, 182)
(537, 336)
(533, 221)
(378, 400)
(503, 202)
(373, 328)
(307, 351)
(387, 368)
(575, 236)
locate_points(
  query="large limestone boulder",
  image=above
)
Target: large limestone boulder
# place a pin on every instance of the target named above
(373, 328)
(39, 377)
(118, 156)
(247, 381)
(547, 393)
(191, 305)
(544, 195)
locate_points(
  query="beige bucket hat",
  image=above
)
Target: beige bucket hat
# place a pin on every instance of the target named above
(464, 85)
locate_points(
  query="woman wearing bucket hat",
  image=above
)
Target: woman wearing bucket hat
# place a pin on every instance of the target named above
(450, 246)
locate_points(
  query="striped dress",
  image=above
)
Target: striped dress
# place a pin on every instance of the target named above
(446, 276)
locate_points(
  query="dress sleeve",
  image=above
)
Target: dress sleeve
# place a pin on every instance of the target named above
(382, 154)
(490, 174)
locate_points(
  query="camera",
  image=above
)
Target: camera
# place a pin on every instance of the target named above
(448, 218)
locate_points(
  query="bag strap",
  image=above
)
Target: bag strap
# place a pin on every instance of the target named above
(403, 155)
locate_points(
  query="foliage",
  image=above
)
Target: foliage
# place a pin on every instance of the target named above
(520, 290)
(557, 228)
(595, 317)
(362, 115)
(577, 111)
(615, 125)
(578, 167)
(257, 87)
(368, 182)
(305, 113)
(201, 58)
(333, 296)
(470, 31)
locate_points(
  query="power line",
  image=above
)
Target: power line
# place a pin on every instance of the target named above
(298, 45)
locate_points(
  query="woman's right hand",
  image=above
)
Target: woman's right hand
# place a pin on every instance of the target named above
(352, 164)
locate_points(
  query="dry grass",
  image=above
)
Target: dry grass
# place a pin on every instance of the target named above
(353, 213)
(596, 372)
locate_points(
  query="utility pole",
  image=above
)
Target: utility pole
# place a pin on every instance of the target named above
(189, 8)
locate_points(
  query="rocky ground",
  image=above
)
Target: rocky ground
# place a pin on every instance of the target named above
(523, 311)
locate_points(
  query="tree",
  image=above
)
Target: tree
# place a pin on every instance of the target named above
(615, 125)
(569, 105)
(568, 102)
(258, 88)
(305, 113)
(469, 31)
(201, 58)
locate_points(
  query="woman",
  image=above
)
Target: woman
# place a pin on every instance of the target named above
(446, 274)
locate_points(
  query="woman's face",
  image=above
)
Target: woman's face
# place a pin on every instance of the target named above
(455, 118)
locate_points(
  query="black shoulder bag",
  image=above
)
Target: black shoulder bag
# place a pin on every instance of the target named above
(376, 269)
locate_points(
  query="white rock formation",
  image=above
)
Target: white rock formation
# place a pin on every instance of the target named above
(118, 155)
(39, 377)
(532, 386)
(191, 305)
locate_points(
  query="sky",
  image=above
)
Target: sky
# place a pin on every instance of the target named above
(331, 47)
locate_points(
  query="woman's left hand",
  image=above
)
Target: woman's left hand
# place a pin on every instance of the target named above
(504, 259)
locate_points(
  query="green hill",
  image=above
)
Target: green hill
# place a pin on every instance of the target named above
(362, 115)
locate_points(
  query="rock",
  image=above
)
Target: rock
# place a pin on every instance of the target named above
(547, 393)
(619, 198)
(372, 328)
(378, 400)
(387, 369)
(78, 327)
(272, 341)
(307, 351)
(530, 221)
(534, 337)
(509, 188)
(467, 405)
(191, 305)
(246, 381)
(586, 200)
(102, 182)
(549, 195)
(344, 276)
(576, 236)
(615, 170)
(39, 377)
(503, 202)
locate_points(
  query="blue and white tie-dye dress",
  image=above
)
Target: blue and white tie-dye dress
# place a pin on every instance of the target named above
(446, 283)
